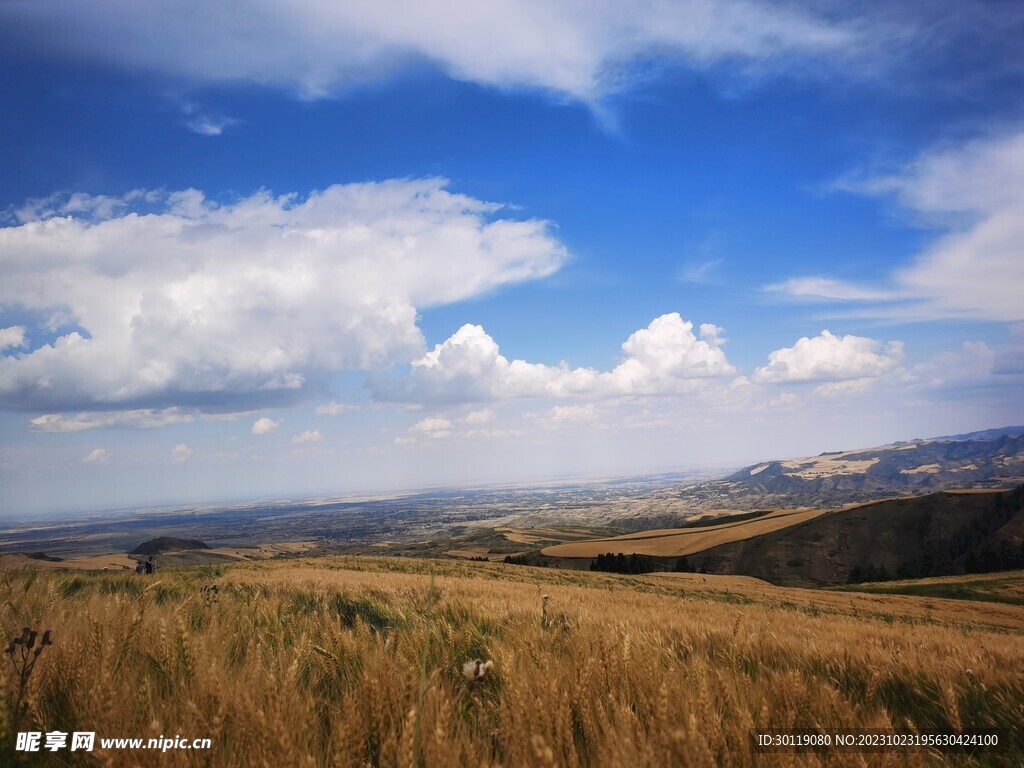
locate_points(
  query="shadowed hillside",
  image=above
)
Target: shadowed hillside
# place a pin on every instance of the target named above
(940, 534)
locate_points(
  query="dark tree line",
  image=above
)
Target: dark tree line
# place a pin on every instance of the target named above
(527, 558)
(684, 566)
(620, 563)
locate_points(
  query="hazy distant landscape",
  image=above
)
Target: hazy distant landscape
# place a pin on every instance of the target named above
(666, 516)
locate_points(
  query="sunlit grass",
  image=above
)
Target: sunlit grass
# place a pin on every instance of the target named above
(352, 661)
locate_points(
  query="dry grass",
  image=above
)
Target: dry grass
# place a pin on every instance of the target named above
(353, 661)
(117, 561)
(676, 542)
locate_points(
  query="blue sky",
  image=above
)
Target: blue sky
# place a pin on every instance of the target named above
(294, 249)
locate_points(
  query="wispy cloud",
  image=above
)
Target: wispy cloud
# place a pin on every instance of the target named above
(701, 272)
(974, 193)
(582, 50)
(209, 125)
(829, 289)
(147, 418)
(335, 409)
(96, 456)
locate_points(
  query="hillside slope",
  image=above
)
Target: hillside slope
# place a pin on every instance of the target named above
(934, 535)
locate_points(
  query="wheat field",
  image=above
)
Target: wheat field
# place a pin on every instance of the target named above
(357, 661)
(678, 542)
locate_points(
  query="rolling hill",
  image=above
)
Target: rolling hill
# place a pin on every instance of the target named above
(936, 535)
(939, 534)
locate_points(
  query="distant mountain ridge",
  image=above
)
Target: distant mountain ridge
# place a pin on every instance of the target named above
(983, 434)
(988, 459)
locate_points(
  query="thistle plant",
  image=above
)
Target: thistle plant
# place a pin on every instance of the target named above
(476, 670)
(24, 651)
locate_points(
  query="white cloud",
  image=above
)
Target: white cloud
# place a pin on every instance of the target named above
(830, 358)
(96, 456)
(335, 409)
(181, 453)
(977, 269)
(205, 124)
(434, 427)
(829, 289)
(846, 388)
(563, 414)
(264, 426)
(579, 48)
(665, 357)
(785, 400)
(184, 302)
(146, 418)
(309, 436)
(482, 416)
(12, 337)
(666, 353)
(973, 193)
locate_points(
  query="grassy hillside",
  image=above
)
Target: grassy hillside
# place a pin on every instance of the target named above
(936, 535)
(675, 542)
(939, 534)
(1006, 587)
(352, 661)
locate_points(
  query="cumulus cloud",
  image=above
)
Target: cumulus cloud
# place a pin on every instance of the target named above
(582, 49)
(973, 193)
(665, 357)
(830, 358)
(309, 436)
(482, 416)
(96, 456)
(181, 453)
(434, 427)
(180, 301)
(264, 426)
(563, 414)
(785, 400)
(12, 337)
